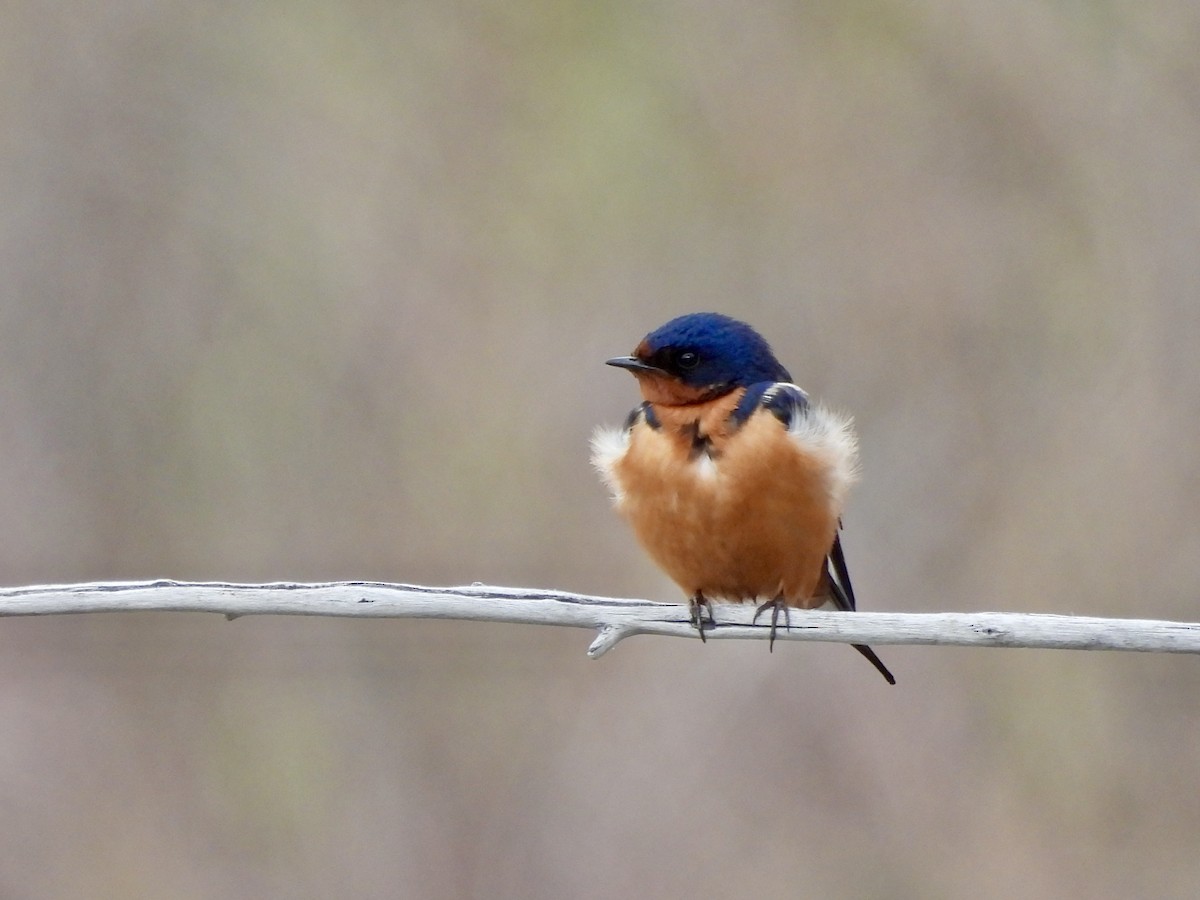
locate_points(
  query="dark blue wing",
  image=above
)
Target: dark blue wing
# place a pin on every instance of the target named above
(644, 411)
(783, 400)
(843, 597)
(839, 576)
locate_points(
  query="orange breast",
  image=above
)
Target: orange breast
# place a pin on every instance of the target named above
(740, 516)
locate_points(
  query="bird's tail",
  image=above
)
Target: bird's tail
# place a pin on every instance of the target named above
(875, 661)
(843, 597)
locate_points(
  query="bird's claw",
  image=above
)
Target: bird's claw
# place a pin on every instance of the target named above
(698, 606)
(775, 606)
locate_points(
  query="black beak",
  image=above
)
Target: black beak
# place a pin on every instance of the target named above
(632, 363)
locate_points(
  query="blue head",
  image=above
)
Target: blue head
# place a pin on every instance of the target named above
(700, 356)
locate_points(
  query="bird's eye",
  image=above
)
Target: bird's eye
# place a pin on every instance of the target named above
(687, 359)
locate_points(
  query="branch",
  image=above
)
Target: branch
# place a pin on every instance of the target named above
(615, 619)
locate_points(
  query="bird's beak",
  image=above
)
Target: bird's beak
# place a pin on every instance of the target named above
(632, 363)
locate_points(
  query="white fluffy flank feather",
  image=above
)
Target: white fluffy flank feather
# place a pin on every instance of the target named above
(829, 435)
(608, 446)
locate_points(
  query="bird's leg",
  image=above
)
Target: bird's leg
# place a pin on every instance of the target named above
(698, 605)
(775, 605)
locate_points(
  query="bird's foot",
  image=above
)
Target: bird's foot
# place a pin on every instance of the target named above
(775, 606)
(698, 608)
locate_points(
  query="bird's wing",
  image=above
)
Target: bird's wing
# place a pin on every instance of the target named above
(843, 596)
(782, 399)
(839, 576)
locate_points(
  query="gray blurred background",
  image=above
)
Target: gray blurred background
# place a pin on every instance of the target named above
(306, 291)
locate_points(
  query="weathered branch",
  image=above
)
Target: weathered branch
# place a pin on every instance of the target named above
(615, 619)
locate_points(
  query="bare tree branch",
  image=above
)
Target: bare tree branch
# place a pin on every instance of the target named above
(614, 619)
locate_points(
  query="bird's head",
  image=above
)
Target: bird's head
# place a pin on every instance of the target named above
(699, 357)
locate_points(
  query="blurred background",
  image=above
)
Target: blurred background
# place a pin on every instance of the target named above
(304, 291)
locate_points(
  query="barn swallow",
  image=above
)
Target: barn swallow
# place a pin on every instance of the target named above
(733, 480)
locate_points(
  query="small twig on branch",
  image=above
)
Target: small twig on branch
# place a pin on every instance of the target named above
(615, 619)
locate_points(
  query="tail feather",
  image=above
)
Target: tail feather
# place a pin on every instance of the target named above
(875, 661)
(843, 595)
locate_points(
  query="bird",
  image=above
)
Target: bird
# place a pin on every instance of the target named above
(732, 479)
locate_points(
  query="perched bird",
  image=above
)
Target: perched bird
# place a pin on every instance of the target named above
(732, 479)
